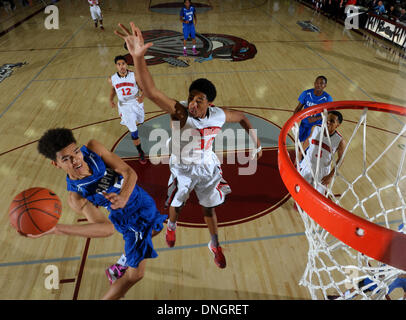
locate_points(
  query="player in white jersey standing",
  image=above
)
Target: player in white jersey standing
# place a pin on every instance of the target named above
(130, 101)
(199, 169)
(329, 146)
(96, 13)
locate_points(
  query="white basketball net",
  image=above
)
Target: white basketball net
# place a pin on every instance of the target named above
(335, 270)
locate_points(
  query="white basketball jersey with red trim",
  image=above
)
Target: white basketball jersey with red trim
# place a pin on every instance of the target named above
(327, 149)
(126, 87)
(193, 144)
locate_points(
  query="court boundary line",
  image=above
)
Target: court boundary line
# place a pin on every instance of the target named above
(113, 254)
(193, 73)
(120, 46)
(162, 249)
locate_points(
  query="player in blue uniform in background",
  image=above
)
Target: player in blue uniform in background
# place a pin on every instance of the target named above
(189, 20)
(97, 177)
(310, 98)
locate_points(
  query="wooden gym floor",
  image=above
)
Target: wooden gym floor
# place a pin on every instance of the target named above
(64, 83)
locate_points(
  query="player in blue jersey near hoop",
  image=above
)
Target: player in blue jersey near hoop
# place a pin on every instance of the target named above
(95, 178)
(189, 20)
(310, 98)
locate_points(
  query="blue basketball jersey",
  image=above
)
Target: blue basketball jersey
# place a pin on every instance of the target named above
(102, 179)
(188, 14)
(308, 99)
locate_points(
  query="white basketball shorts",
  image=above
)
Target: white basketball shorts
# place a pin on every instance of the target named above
(131, 114)
(95, 12)
(206, 180)
(306, 172)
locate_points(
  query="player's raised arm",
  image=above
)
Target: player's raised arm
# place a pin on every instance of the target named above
(237, 116)
(137, 48)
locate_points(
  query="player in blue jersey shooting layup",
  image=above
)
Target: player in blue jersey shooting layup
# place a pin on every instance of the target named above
(189, 21)
(310, 98)
(95, 178)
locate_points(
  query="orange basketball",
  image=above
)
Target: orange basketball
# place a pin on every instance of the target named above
(35, 210)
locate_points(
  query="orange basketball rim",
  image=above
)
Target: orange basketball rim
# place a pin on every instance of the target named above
(375, 241)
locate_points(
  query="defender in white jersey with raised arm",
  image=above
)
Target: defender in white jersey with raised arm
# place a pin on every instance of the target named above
(95, 13)
(329, 146)
(194, 166)
(130, 101)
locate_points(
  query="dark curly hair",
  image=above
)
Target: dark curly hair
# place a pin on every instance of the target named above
(322, 78)
(117, 58)
(54, 140)
(205, 86)
(338, 114)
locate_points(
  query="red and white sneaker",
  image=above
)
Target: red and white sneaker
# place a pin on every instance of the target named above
(219, 258)
(224, 187)
(184, 53)
(115, 272)
(170, 237)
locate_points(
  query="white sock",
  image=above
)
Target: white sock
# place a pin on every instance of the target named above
(184, 48)
(194, 46)
(122, 261)
(172, 225)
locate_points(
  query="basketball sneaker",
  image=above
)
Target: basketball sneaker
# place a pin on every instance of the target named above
(101, 27)
(224, 187)
(115, 272)
(170, 237)
(219, 258)
(185, 52)
(194, 51)
(142, 158)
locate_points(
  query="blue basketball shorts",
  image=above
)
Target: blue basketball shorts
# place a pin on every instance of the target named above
(189, 30)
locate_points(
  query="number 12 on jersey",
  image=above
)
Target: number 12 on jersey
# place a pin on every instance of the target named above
(126, 91)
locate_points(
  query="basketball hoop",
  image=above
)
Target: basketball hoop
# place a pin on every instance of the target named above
(330, 227)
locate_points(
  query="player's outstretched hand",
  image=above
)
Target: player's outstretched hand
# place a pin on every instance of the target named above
(134, 40)
(35, 236)
(327, 179)
(117, 200)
